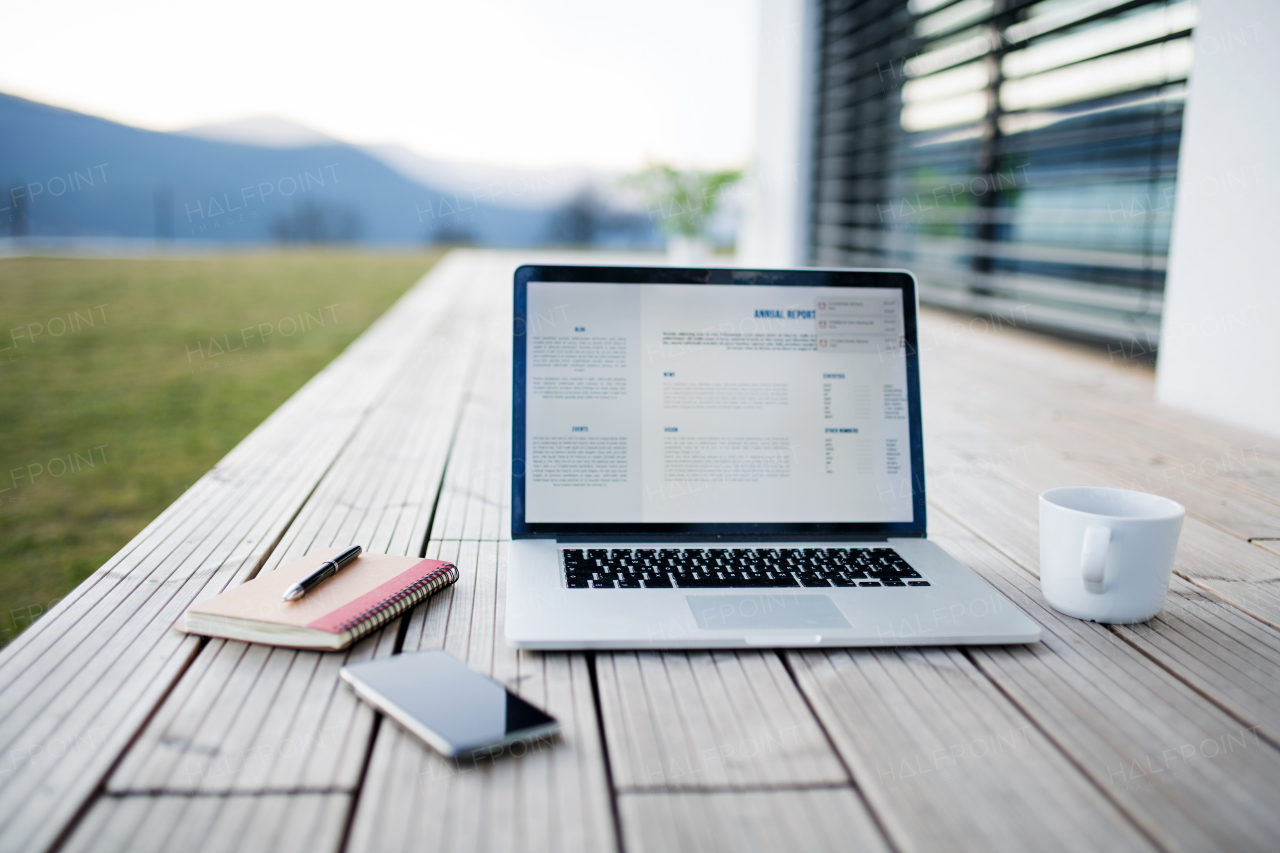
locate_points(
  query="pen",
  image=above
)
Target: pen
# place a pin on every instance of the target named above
(327, 569)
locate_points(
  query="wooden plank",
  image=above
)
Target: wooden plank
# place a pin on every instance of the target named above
(118, 824)
(228, 727)
(235, 733)
(979, 488)
(152, 824)
(476, 486)
(947, 762)
(972, 461)
(1029, 405)
(115, 665)
(1237, 511)
(1146, 740)
(131, 599)
(741, 822)
(989, 469)
(427, 625)
(1121, 400)
(1229, 657)
(960, 447)
(95, 666)
(698, 720)
(1247, 467)
(1261, 601)
(969, 456)
(998, 501)
(549, 797)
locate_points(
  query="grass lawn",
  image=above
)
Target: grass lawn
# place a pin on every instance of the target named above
(113, 400)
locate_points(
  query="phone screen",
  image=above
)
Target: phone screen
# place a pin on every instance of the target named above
(453, 708)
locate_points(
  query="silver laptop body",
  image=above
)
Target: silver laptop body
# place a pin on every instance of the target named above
(727, 458)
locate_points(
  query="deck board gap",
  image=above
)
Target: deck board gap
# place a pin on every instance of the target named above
(604, 752)
(349, 821)
(880, 825)
(190, 794)
(100, 789)
(1066, 753)
(760, 788)
(1226, 708)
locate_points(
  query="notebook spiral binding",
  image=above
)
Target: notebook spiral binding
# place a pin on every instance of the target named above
(388, 609)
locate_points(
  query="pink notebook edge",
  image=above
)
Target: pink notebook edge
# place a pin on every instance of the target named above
(374, 596)
(401, 583)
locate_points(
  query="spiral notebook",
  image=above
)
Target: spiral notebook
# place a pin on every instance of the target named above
(365, 595)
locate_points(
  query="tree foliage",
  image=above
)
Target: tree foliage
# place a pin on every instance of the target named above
(682, 201)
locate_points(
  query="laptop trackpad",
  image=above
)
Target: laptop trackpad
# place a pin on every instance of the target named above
(765, 612)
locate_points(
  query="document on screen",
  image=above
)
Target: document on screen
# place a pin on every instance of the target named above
(715, 403)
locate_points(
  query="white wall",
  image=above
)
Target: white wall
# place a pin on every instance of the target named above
(1220, 336)
(775, 199)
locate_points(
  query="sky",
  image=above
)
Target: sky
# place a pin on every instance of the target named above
(519, 82)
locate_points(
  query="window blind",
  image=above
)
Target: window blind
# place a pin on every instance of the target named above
(1018, 156)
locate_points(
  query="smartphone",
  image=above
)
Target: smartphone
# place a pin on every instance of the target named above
(457, 711)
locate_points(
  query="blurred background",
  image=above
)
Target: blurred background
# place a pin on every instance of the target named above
(1013, 153)
(202, 205)
(495, 123)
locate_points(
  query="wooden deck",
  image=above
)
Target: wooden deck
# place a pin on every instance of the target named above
(121, 734)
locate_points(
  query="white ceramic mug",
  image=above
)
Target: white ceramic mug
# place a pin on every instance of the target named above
(1106, 554)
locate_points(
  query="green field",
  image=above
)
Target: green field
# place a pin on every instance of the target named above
(117, 391)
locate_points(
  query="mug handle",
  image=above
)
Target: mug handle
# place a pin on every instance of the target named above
(1093, 558)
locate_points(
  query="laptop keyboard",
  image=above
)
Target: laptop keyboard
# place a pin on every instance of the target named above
(717, 568)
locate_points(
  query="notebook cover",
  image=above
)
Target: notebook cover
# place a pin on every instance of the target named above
(366, 582)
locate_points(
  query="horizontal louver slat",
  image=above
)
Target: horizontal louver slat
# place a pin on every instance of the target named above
(1018, 154)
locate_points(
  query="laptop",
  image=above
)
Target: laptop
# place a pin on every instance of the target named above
(727, 458)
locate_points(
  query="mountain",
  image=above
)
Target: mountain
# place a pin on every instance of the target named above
(589, 208)
(517, 187)
(514, 186)
(266, 131)
(67, 174)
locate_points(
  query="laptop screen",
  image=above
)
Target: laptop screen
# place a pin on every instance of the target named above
(714, 406)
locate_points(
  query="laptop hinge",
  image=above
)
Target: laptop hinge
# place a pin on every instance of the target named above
(721, 537)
